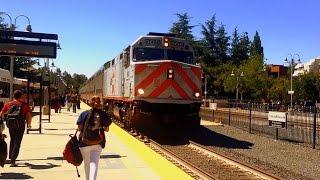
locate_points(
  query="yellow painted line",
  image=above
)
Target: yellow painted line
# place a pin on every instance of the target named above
(160, 165)
(129, 165)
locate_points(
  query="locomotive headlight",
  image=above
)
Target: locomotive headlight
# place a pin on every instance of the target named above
(197, 94)
(170, 74)
(166, 42)
(140, 91)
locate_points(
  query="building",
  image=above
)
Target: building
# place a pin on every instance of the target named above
(313, 65)
(276, 71)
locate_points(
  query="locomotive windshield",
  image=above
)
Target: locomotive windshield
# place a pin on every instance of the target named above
(152, 54)
(148, 54)
(182, 56)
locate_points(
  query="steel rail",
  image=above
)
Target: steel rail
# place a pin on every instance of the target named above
(202, 174)
(241, 165)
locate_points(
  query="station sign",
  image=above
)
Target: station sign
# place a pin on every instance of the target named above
(277, 119)
(290, 92)
(9, 47)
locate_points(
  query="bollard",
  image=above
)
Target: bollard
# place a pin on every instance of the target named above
(250, 117)
(229, 122)
(314, 128)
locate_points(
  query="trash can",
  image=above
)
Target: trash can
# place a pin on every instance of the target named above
(45, 110)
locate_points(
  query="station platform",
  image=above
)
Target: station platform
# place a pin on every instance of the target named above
(123, 158)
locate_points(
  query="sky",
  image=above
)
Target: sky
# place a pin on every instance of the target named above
(93, 32)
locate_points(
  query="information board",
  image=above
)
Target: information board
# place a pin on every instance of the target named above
(40, 49)
(277, 119)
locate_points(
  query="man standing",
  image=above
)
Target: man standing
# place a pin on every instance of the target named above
(16, 131)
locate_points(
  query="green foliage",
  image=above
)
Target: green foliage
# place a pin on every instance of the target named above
(222, 44)
(235, 48)
(3, 26)
(278, 92)
(75, 81)
(256, 48)
(216, 79)
(215, 43)
(306, 87)
(182, 27)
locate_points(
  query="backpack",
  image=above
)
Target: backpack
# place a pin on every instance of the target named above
(92, 132)
(71, 152)
(14, 119)
(3, 150)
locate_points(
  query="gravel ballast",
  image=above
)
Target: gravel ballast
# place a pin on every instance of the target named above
(284, 159)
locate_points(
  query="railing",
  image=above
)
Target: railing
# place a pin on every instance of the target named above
(302, 122)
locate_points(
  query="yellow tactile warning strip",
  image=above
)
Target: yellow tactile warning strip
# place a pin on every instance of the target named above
(160, 165)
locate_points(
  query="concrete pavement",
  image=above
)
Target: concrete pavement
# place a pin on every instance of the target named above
(41, 155)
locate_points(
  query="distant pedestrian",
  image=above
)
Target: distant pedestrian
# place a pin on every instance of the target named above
(74, 103)
(56, 103)
(16, 113)
(69, 104)
(92, 124)
(78, 101)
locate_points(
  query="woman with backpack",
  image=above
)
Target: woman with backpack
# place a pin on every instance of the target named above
(92, 124)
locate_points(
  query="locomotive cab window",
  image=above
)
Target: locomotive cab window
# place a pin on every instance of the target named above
(182, 56)
(147, 54)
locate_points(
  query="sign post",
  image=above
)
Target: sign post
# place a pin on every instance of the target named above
(277, 120)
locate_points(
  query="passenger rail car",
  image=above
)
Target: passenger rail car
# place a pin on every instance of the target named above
(18, 83)
(154, 84)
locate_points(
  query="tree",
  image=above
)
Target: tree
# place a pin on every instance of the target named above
(244, 47)
(79, 79)
(182, 27)
(278, 91)
(256, 47)
(209, 42)
(222, 44)
(256, 81)
(235, 48)
(306, 87)
(3, 26)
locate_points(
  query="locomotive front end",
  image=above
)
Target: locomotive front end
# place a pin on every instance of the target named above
(167, 84)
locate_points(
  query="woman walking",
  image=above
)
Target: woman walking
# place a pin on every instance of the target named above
(92, 124)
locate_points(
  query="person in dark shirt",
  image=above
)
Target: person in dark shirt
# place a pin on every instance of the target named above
(97, 122)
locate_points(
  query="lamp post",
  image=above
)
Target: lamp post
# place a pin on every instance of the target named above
(237, 85)
(293, 62)
(12, 28)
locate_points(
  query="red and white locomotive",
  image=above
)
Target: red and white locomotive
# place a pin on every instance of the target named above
(154, 84)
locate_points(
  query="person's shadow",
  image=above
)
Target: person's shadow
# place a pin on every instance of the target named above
(15, 176)
(41, 166)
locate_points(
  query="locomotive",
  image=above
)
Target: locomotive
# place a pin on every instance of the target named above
(152, 85)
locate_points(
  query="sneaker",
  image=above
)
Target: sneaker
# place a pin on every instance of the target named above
(13, 163)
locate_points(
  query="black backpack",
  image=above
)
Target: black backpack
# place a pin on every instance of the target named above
(92, 132)
(13, 118)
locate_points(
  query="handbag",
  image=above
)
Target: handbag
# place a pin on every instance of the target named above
(71, 152)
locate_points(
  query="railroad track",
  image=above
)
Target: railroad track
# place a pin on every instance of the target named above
(189, 168)
(202, 163)
(237, 170)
